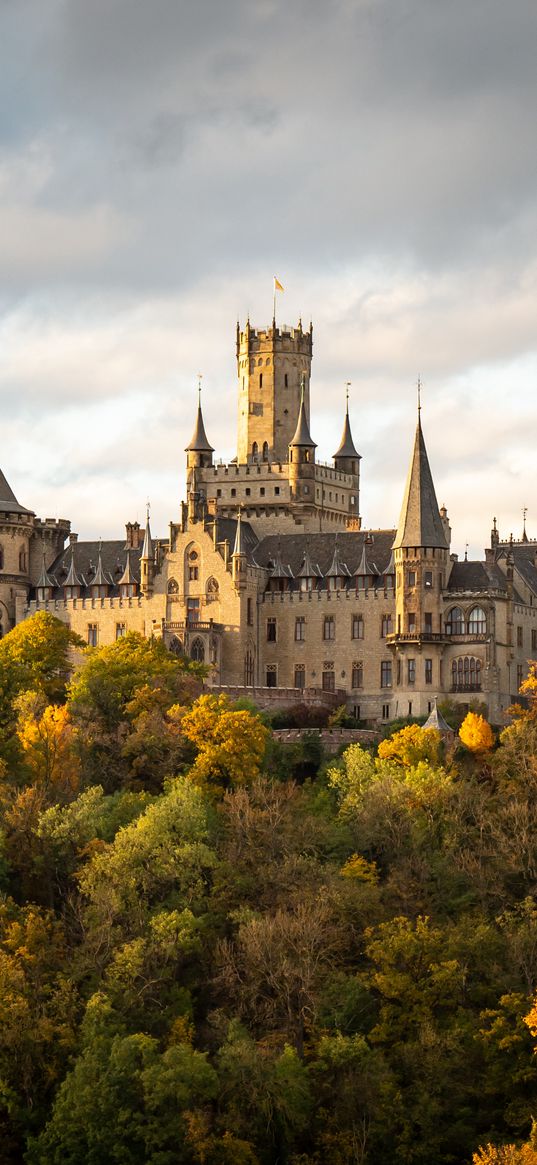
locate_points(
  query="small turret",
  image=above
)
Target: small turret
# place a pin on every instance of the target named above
(147, 561)
(200, 452)
(45, 584)
(302, 457)
(128, 583)
(347, 457)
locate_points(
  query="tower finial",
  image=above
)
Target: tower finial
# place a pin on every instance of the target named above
(524, 534)
(419, 397)
(200, 378)
(147, 509)
(347, 386)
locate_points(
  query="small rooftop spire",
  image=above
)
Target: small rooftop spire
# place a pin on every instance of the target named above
(128, 575)
(147, 550)
(199, 442)
(239, 539)
(73, 579)
(524, 534)
(347, 448)
(420, 524)
(302, 435)
(419, 397)
(45, 579)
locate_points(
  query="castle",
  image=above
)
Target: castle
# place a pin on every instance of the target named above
(270, 580)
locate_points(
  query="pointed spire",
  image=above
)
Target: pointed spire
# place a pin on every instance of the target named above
(309, 569)
(199, 442)
(363, 569)
(100, 578)
(147, 549)
(347, 448)
(45, 579)
(524, 515)
(302, 435)
(436, 720)
(420, 523)
(128, 575)
(8, 501)
(73, 579)
(337, 568)
(279, 570)
(239, 538)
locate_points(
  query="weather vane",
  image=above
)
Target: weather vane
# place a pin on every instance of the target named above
(419, 395)
(200, 378)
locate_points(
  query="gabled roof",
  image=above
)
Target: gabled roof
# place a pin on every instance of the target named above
(420, 523)
(8, 501)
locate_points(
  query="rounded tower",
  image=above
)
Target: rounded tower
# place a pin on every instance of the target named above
(16, 529)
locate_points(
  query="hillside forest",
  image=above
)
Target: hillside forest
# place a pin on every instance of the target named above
(217, 949)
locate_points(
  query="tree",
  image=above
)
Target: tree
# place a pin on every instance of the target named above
(476, 734)
(49, 747)
(231, 745)
(411, 745)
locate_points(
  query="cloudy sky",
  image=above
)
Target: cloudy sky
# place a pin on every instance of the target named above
(160, 161)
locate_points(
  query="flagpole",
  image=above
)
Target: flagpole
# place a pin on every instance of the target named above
(274, 301)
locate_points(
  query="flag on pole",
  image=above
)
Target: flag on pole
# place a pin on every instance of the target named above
(277, 285)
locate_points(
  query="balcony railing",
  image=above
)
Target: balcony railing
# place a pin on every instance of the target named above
(466, 688)
(191, 625)
(416, 637)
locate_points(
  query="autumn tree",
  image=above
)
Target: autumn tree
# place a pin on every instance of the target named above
(411, 745)
(230, 744)
(476, 734)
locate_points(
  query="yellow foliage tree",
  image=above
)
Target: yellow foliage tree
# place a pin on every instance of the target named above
(476, 734)
(528, 686)
(412, 745)
(231, 744)
(505, 1155)
(49, 745)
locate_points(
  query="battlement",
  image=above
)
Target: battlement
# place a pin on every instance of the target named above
(285, 335)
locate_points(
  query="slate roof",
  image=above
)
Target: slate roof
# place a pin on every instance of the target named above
(85, 556)
(524, 556)
(226, 528)
(8, 501)
(420, 523)
(346, 448)
(476, 576)
(320, 548)
(302, 435)
(199, 442)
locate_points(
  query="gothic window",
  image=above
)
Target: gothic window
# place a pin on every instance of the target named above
(248, 669)
(173, 587)
(357, 680)
(455, 622)
(197, 651)
(520, 636)
(466, 674)
(22, 560)
(255, 450)
(272, 675)
(265, 450)
(300, 675)
(477, 621)
(175, 645)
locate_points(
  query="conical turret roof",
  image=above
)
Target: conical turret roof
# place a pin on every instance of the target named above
(199, 442)
(8, 501)
(239, 540)
(100, 578)
(309, 569)
(436, 720)
(128, 575)
(73, 579)
(420, 523)
(337, 568)
(45, 579)
(363, 569)
(346, 448)
(302, 435)
(147, 549)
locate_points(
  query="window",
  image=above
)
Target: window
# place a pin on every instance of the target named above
(428, 671)
(120, 630)
(248, 669)
(249, 612)
(519, 675)
(534, 641)
(385, 711)
(271, 675)
(255, 450)
(428, 579)
(411, 671)
(412, 622)
(329, 627)
(233, 493)
(265, 450)
(411, 578)
(286, 382)
(261, 380)
(477, 622)
(22, 560)
(386, 626)
(455, 622)
(271, 631)
(262, 491)
(329, 678)
(92, 634)
(519, 637)
(276, 491)
(193, 573)
(386, 673)
(127, 590)
(300, 675)
(300, 629)
(173, 587)
(357, 627)
(357, 680)
(466, 674)
(1, 557)
(247, 491)
(197, 650)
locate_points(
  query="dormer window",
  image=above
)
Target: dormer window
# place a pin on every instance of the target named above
(127, 590)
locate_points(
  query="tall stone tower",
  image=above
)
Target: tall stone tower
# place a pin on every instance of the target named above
(421, 555)
(271, 365)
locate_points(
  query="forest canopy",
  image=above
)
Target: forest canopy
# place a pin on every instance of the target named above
(216, 949)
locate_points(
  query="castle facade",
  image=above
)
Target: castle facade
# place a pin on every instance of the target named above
(270, 579)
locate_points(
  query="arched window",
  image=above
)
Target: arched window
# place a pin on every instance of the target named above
(176, 646)
(22, 560)
(248, 670)
(255, 450)
(466, 674)
(477, 621)
(173, 587)
(455, 622)
(265, 450)
(197, 651)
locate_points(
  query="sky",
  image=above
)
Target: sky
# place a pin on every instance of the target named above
(159, 164)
